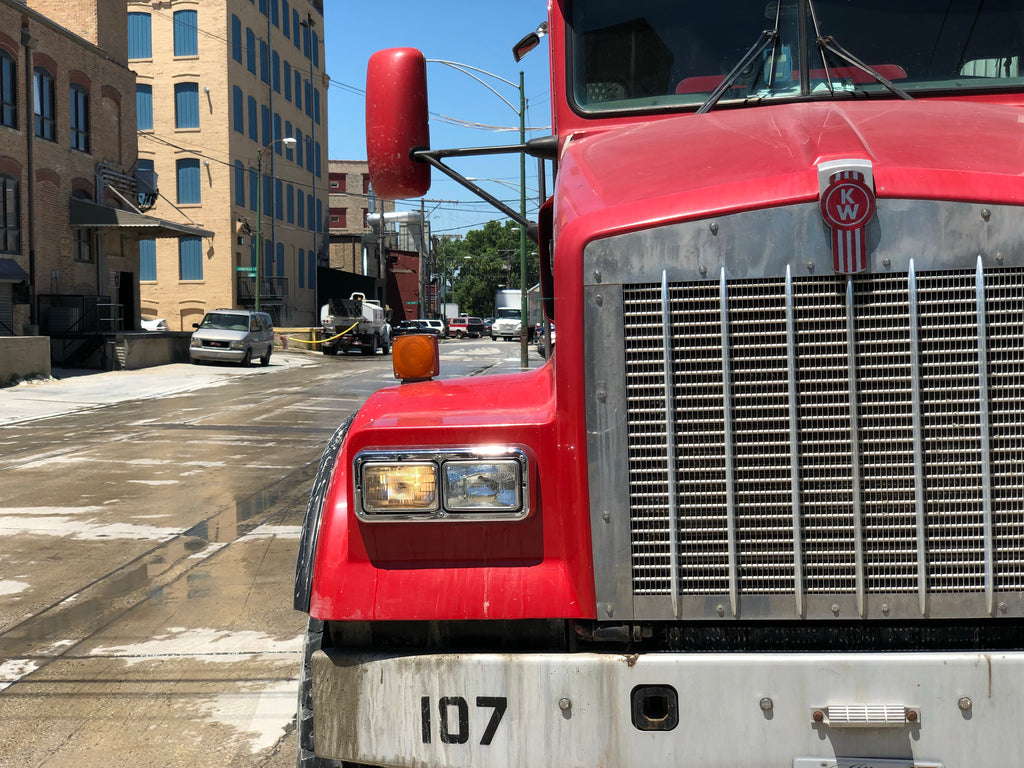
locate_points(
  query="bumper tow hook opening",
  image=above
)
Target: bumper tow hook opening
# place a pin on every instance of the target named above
(654, 707)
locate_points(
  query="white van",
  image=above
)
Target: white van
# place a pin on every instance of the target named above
(233, 336)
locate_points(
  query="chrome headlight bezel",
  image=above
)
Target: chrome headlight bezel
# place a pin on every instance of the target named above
(462, 478)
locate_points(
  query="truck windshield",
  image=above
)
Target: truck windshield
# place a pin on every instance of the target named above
(508, 312)
(648, 54)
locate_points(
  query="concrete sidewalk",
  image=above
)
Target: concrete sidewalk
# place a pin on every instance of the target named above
(70, 391)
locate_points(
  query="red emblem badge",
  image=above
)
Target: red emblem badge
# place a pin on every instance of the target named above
(847, 206)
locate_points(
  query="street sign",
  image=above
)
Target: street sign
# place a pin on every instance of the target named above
(247, 270)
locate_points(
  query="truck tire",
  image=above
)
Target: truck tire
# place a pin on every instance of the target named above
(304, 714)
(385, 345)
(247, 358)
(372, 349)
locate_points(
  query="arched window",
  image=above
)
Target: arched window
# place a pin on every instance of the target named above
(79, 109)
(8, 91)
(45, 105)
(186, 33)
(10, 215)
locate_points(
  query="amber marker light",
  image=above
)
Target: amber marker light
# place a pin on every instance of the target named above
(416, 357)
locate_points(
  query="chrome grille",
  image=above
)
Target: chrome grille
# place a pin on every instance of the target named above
(827, 435)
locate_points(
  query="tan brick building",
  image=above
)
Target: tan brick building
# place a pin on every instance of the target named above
(69, 258)
(232, 102)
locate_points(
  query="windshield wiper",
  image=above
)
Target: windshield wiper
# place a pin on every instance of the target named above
(768, 37)
(828, 43)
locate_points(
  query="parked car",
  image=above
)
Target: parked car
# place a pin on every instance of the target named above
(234, 336)
(488, 322)
(461, 327)
(157, 324)
(542, 347)
(412, 326)
(437, 325)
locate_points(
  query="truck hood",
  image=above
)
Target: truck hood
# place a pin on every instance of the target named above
(698, 165)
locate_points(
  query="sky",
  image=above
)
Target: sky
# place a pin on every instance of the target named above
(470, 32)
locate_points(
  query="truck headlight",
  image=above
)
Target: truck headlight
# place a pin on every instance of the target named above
(487, 483)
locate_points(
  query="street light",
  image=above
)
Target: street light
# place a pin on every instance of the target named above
(472, 72)
(288, 142)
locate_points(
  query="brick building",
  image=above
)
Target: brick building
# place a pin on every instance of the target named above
(232, 103)
(69, 229)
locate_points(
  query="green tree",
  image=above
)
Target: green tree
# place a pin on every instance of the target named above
(483, 261)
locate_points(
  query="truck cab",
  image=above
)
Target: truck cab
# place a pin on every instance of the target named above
(762, 508)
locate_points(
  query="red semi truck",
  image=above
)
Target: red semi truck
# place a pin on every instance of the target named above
(764, 506)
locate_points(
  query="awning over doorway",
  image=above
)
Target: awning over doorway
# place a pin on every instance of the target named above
(11, 272)
(84, 214)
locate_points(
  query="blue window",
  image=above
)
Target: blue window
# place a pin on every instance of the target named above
(298, 147)
(277, 133)
(309, 154)
(317, 161)
(265, 124)
(144, 107)
(189, 187)
(298, 90)
(186, 33)
(268, 257)
(190, 258)
(316, 49)
(238, 109)
(147, 259)
(288, 151)
(239, 184)
(285, 19)
(45, 105)
(289, 202)
(300, 206)
(236, 38)
(307, 89)
(287, 81)
(305, 42)
(301, 264)
(279, 258)
(316, 105)
(9, 91)
(254, 190)
(263, 7)
(254, 120)
(264, 61)
(275, 70)
(274, 18)
(250, 50)
(186, 105)
(312, 268)
(278, 199)
(268, 200)
(146, 174)
(140, 36)
(296, 29)
(310, 217)
(79, 111)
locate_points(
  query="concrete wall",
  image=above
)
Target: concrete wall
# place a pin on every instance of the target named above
(23, 356)
(144, 350)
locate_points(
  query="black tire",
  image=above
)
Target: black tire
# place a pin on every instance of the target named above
(265, 360)
(385, 345)
(304, 715)
(372, 349)
(247, 359)
(459, 334)
(493, 337)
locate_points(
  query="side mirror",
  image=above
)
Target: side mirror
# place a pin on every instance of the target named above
(396, 122)
(195, 325)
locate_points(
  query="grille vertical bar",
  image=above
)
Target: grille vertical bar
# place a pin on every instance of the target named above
(832, 437)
